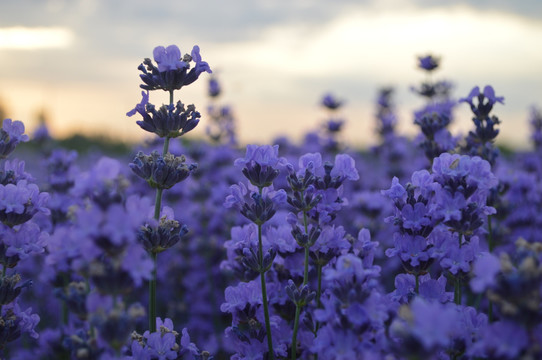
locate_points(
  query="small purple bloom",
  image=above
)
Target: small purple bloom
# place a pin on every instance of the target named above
(348, 266)
(201, 66)
(415, 218)
(140, 108)
(11, 134)
(168, 58)
(489, 93)
(428, 62)
(263, 155)
(160, 345)
(427, 329)
(345, 167)
(331, 102)
(396, 191)
(502, 340)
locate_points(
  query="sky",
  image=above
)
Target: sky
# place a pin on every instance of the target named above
(76, 60)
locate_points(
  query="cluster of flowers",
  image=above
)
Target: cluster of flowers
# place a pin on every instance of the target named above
(285, 251)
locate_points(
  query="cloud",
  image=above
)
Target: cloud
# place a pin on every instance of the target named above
(276, 61)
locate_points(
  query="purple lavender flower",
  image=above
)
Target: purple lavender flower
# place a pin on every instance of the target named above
(501, 340)
(483, 107)
(21, 241)
(20, 202)
(161, 345)
(157, 236)
(161, 172)
(486, 266)
(16, 322)
(201, 66)
(168, 59)
(428, 62)
(344, 168)
(264, 155)
(11, 134)
(480, 141)
(415, 218)
(169, 120)
(331, 102)
(214, 87)
(396, 191)
(173, 72)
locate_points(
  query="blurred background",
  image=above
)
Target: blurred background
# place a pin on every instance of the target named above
(74, 62)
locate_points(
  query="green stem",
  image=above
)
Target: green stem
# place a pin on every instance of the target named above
(157, 209)
(165, 148)
(306, 262)
(490, 233)
(457, 290)
(457, 283)
(65, 312)
(4, 270)
(491, 245)
(318, 295)
(305, 282)
(296, 328)
(490, 312)
(152, 295)
(158, 204)
(306, 272)
(264, 297)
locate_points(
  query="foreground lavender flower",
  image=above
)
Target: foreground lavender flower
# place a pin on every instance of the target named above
(21, 237)
(165, 170)
(173, 72)
(165, 344)
(161, 172)
(168, 121)
(260, 167)
(11, 134)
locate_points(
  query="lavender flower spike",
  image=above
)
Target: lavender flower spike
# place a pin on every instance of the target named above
(11, 134)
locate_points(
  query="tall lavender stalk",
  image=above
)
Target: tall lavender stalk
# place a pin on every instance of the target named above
(20, 236)
(261, 168)
(162, 171)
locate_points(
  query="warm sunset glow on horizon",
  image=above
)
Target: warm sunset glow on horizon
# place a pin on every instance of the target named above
(25, 38)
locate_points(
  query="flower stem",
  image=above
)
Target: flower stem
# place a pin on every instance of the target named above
(65, 312)
(318, 294)
(152, 295)
(305, 282)
(306, 262)
(417, 289)
(4, 269)
(489, 233)
(457, 283)
(157, 209)
(457, 290)
(490, 245)
(264, 297)
(294, 336)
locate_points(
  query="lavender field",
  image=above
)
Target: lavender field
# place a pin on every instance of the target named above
(185, 248)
